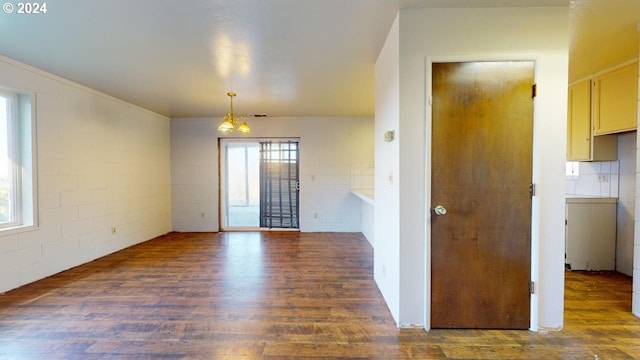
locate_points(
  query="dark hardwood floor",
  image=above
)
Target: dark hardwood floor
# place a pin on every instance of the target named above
(275, 295)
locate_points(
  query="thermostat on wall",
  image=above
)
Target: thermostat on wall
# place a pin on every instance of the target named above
(389, 135)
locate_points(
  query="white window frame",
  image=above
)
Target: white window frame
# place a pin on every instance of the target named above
(14, 183)
(21, 144)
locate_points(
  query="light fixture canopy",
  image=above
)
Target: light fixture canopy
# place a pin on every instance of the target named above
(230, 121)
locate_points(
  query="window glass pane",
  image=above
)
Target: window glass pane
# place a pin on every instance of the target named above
(5, 181)
(17, 195)
(236, 172)
(242, 181)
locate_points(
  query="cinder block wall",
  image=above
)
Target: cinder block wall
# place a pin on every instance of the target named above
(329, 148)
(103, 164)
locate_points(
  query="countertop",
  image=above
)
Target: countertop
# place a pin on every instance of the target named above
(575, 199)
(364, 194)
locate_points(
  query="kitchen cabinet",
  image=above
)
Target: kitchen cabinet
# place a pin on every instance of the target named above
(579, 121)
(581, 144)
(615, 100)
(590, 233)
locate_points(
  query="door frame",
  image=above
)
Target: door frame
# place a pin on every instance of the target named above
(222, 163)
(535, 253)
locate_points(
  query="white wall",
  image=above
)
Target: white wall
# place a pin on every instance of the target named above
(386, 231)
(102, 163)
(367, 220)
(626, 202)
(362, 182)
(539, 34)
(329, 149)
(636, 238)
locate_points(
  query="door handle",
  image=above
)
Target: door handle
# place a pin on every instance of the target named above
(440, 210)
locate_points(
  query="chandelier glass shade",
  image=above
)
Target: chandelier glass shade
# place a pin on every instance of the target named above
(230, 121)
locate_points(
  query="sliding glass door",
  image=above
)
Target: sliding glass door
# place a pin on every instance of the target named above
(241, 182)
(259, 184)
(279, 184)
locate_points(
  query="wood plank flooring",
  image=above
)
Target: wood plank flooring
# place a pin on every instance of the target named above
(275, 295)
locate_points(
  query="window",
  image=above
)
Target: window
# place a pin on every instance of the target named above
(573, 169)
(17, 191)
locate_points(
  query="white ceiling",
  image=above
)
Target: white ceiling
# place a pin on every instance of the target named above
(282, 57)
(604, 33)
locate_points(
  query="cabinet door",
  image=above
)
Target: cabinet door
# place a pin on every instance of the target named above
(591, 236)
(579, 121)
(616, 100)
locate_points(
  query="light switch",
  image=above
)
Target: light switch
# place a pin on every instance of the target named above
(389, 136)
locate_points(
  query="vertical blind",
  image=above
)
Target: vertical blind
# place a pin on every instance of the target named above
(279, 184)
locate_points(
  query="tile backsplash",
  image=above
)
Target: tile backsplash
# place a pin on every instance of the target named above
(597, 178)
(362, 176)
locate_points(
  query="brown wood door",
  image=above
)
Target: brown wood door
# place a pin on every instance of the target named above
(481, 172)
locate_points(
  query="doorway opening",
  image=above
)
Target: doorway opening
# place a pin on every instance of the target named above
(601, 204)
(259, 184)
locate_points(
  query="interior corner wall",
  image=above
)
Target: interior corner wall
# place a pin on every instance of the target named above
(466, 34)
(386, 229)
(329, 148)
(636, 248)
(102, 164)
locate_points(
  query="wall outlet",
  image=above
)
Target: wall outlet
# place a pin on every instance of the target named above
(603, 178)
(315, 215)
(202, 215)
(113, 230)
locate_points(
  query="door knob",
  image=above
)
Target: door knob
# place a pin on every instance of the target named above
(440, 210)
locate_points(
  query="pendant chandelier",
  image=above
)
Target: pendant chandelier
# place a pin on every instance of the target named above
(230, 121)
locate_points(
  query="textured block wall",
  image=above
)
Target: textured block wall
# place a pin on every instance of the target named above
(102, 164)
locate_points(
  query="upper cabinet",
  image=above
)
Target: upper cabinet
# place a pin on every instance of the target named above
(579, 121)
(581, 144)
(615, 100)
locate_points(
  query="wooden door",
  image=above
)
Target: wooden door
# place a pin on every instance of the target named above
(481, 172)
